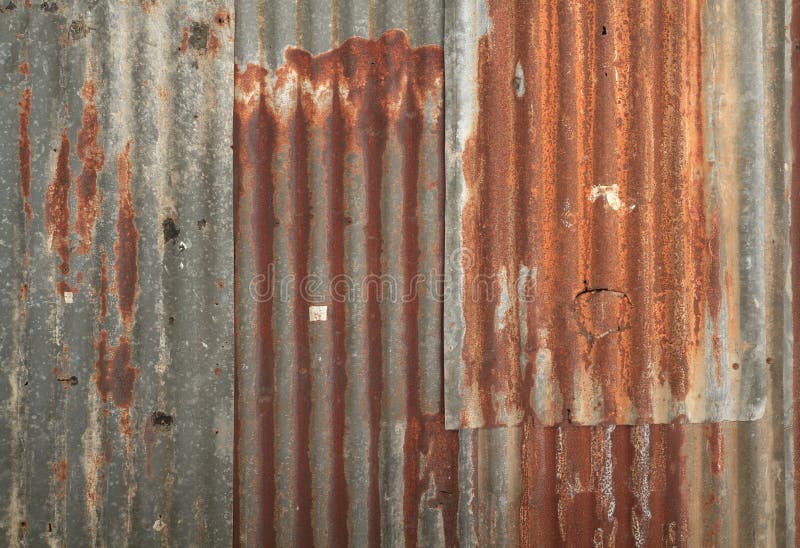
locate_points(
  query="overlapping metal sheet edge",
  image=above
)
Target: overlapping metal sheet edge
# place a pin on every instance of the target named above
(116, 337)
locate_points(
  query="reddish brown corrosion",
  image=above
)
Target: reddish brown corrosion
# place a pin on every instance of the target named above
(25, 150)
(24, 69)
(387, 83)
(184, 41)
(114, 375)
(213, 42)
(56, 206)
(126, 248)
(602, 486)
(605, 196)
(63, 287)
(91, 155)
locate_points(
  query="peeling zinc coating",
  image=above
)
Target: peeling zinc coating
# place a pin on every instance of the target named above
(605, 201)
(116, 391)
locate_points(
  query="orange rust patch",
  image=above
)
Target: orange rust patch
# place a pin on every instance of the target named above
(184, 41)
(56, 205)
(24, 69)
(213, 42)
(114, 375)
(91, 155)
(126, 248)
(25, 150)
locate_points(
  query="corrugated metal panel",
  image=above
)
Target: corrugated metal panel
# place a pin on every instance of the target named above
(331, 442)
(605, 214)
(116, 342)
(725, 484)
(339, 192)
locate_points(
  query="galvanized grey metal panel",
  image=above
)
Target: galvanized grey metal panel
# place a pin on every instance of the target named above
(116, 403)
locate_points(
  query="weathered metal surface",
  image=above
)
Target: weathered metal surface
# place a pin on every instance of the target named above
(116, 337)
(605, 212)
(339, 223)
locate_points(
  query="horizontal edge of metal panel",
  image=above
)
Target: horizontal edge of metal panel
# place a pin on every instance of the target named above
(265, 28)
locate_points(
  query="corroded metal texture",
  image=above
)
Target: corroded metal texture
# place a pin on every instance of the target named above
(339, 224)
(116, 391)
(605, 212)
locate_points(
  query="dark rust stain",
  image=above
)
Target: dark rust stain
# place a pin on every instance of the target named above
(114, 375)
(222, 18)
(24, 69)
(578, 200)
(126, 248)
(184, 41)
(25, 150)
(56, 206)
(90, 153)
(63, 287)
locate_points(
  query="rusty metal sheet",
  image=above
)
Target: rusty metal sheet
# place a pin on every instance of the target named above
(605, 212)
(116, 337)
(339, 192)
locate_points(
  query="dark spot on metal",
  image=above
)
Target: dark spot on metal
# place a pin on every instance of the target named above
(201, 224)
(604, 31)
(170, 230)
(78, 29)
(171, 320)
(49, 7)
(11, 6)
(198, 35)
(735, 366)
(161, 420)
(72, 381)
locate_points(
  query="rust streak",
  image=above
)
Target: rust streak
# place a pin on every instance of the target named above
(90, 153)
(126, 248)
(56, 206)
(25, 150)
(114, 375)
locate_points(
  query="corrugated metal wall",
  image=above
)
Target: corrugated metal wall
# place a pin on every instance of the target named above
(124, 205)
(116, 339)
(530, 484)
